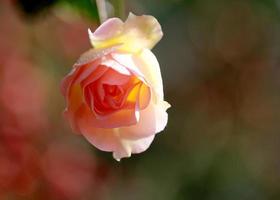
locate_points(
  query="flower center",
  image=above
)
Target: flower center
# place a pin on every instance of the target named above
(114, 91)
(113, 95)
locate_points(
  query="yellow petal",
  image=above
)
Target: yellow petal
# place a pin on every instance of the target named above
(135, 34)
(145, 65)
(149, 66)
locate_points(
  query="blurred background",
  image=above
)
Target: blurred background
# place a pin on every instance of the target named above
(220, 63)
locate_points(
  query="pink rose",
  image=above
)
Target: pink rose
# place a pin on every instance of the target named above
(114, 93)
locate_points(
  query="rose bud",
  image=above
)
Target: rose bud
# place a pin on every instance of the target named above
(114, 93)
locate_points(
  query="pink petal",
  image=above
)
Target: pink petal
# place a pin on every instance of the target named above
(103, 139)
(65, 84)
(127, 61)
(85, 71)
(92, 55)
(111, 140)
(124, 117)
(108, 29)
(132, 146)
(94, 76)
(115, 65)
(111, 77)
(145, 66)
(152, 120)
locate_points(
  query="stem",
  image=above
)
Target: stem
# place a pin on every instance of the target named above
(119, 6)
(102, 12)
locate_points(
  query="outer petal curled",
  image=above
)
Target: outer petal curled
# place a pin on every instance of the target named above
(112, 140)
(136, 33)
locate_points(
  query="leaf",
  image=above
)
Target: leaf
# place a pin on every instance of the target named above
(85, 7)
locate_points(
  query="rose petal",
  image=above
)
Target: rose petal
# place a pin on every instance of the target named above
(152, 120)
(111, 140)
(77, 74)
(149, 66)
(94, 76)
(144, 28)
(74, 92)
(136, 33)
(111, 77)
(75, 98)
(127, 61)
(110, 28)
(144, 96)
(73, 104)
(110, 63)
(120, 118)
(132, 146)
(103, 139)
(65, 84)
(144, 65)
(93, 55)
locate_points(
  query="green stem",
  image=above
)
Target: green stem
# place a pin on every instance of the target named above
(102, 11)
(119, 6)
